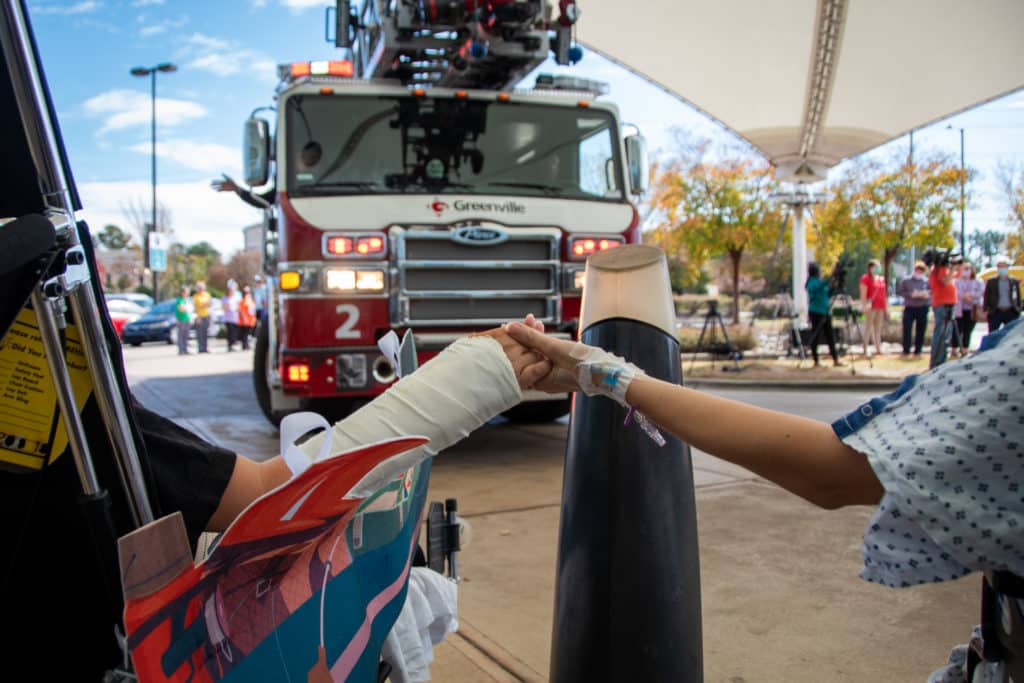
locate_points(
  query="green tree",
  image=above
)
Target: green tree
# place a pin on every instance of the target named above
(717, 205)
(1010, 177)
(985, 245)
(113, 238)
(904, 203)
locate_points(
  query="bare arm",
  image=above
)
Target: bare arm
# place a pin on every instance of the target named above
(251, 479)
(803, 456)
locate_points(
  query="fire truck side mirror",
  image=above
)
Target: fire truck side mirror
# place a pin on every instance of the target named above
(636, 159)
(256, 146)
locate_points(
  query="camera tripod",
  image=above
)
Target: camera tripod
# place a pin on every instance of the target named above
(712, 323)
(849, 317)
(954, 340)
(788, 334)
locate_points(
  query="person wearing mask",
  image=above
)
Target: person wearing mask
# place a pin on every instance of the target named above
(1002, 296)
(916, 296)
(969, 291)
(874, 305)
(943, 302)
(182, 317)
(201, 304)
(230, 303)
(818, 293)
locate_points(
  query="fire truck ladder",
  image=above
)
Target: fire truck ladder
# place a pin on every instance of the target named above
(472, 44)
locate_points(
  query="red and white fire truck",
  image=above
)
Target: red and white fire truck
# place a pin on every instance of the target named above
(417, 189)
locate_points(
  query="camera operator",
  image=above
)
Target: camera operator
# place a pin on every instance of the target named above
(818, 294)
(943, 301)
(916, 297)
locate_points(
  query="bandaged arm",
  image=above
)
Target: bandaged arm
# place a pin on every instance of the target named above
(463, 387)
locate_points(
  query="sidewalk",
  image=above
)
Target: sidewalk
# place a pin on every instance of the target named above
(763, 370)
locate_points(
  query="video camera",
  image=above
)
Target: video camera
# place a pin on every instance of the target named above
(837, 282)
(937, 258)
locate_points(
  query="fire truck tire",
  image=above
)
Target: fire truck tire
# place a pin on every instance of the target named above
(536, 412)
(259, 376)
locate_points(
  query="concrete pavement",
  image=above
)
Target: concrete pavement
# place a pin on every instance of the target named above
(781, 597)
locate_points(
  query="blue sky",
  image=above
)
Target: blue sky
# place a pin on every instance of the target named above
(226, 52)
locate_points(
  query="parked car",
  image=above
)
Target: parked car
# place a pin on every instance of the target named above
(143, 300)
(158, 324)
(123, 312)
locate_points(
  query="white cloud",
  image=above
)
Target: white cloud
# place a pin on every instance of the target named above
(299, 5)
(205, 42)
(161, 26)
(123, 108)
(209, 157)
(197, 212)
(83, 7)
(226, 58)
(146, 3)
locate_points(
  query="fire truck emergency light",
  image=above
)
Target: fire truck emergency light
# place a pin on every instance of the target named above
(298, 372)
(342, 68)
(582, 247)
(369, 245)
(290, 279)
(339, 246)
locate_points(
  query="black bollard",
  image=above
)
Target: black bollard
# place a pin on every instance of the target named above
(627, 591)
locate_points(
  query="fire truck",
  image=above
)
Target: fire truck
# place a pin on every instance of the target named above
(416, 188)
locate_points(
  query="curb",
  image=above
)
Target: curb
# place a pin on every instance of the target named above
(792, 385)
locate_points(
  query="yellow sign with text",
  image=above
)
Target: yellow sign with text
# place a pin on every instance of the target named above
(28, 401)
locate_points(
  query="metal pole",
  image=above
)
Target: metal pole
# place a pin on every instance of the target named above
(799, 261)
(152, 225)
(42, 139)
(963, 205)
(50, 335)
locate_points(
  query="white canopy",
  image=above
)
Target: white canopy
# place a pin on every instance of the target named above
(811, 82)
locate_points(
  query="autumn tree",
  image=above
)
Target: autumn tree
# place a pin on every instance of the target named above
(717, 204)
(905, 203)
(1011, 182)
(113, 238)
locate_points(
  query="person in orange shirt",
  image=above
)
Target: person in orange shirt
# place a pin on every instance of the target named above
(246, 316)
(873, 303)
(941, 282)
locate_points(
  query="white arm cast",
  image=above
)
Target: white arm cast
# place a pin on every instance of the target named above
(463, 387)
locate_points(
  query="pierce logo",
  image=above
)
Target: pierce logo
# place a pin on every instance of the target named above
(478, 236)
(438, 207)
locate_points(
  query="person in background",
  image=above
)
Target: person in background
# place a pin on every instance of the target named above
(1002, 296)
(943, 301)
(201, 303)
(916, 297)
(230, 304)
(259, 296)
(874, 305)
(246, 317)
(818, 293)
(969, 291)
(182, 317)
(258, 200)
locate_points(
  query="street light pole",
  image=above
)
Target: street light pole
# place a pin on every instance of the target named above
(141, 71)
(963, 205)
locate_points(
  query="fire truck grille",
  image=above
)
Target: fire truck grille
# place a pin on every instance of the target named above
(445, 280)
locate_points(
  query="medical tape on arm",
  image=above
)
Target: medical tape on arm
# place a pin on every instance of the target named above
(604, 374)
(467, 384)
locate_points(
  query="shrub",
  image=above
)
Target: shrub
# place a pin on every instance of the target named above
(742, 336)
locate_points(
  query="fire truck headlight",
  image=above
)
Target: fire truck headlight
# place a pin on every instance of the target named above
(340, 279)
(370, 280)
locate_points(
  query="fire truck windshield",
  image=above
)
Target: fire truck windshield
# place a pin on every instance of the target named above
(385, 145)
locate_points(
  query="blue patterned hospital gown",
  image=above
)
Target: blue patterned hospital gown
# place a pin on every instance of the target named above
(947, 448)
